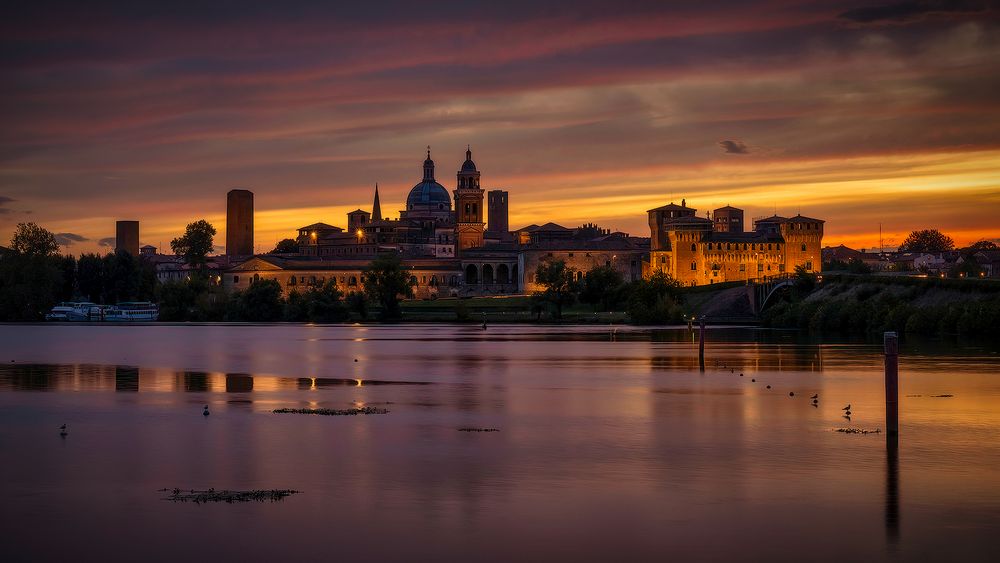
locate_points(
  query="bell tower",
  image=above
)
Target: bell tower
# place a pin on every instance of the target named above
(469, 224)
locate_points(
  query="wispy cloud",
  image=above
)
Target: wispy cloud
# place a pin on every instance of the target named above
(734, 147)
(913, 10)
(68, 239)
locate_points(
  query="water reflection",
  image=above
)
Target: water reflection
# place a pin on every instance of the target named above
(892, 488)
(238, 383)
(126, 378)
(606, 450)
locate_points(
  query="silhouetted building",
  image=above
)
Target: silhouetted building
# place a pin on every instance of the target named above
(728, 220)
(239, 223)
(497, 201)
(127, 237)
(357, 219)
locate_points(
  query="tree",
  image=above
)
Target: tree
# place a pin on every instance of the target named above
(326, 303)
(90, 277)
(30, 284)
(980, 246)
(656, 299)
(286, 246)
(32, 240)
(322, 304)
(558, 283)
(927, 240)
(601, 286)
(357, 303)
(386, 280)
(261, 302)
(195, 244)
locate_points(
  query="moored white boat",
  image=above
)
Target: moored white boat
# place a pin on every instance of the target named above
(58, 313)
(132, 311)
(85, 311)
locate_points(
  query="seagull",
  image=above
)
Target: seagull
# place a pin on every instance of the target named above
(62, 430)
(848, 417)
(768, 386)
(815, 396)
(847, 408)
(205, 412)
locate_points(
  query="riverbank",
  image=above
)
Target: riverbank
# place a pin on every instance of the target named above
(857, 304)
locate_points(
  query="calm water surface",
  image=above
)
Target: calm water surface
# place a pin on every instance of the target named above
(610, 448)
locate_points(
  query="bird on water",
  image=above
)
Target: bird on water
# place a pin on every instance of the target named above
(847, 408)
(814, 397)
(62, 431)
(205, 412)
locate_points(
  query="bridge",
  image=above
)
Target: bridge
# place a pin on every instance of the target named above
(760, 290)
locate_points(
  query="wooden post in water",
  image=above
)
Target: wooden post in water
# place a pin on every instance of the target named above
(701, 346)
(891, 385)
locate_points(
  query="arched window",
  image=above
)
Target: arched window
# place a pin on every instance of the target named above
(353, 282)
(488, 273)
(710, 246)
(694, 266)
(729, 246)
(236, 279)
(803, 247)
(471, 274)
(694, 247)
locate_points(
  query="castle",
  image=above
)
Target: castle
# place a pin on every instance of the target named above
(453, 245)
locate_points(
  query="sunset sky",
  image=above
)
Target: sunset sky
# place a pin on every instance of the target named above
(858, 113)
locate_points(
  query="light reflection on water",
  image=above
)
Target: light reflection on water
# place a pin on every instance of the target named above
(611, 446)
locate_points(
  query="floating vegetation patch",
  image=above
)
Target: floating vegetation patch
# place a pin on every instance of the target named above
(858, 431)
(941, 396)
(334, 412)
(469, 429)
(211, 495)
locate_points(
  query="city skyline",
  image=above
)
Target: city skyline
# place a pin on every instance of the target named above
(860, 113)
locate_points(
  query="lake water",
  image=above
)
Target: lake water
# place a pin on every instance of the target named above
(610, 446)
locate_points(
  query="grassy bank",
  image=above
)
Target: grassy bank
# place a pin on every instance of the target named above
(867, 304)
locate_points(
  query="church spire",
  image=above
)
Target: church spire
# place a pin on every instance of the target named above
(428, 167)
(376, 207)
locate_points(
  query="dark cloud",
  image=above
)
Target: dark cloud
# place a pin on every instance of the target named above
(107, 241)
(67, 239)
(915, 10)
(734, 147)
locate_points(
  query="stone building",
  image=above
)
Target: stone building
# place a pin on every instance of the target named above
(454, 246)
(698, 251)
(239, 223)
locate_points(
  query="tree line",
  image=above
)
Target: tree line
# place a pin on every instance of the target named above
(657, 299)
(34, 277)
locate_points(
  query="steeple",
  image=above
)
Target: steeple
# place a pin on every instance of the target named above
(428, 167)
(376, 208)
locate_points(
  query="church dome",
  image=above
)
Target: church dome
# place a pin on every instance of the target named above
(428, 192)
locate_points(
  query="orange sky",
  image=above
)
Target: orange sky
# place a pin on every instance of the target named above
(855, 113)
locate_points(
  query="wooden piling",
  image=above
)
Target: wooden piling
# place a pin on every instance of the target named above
(891, 385)
(701, 346)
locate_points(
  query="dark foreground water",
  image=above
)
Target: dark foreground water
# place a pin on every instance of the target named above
(608, 450)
